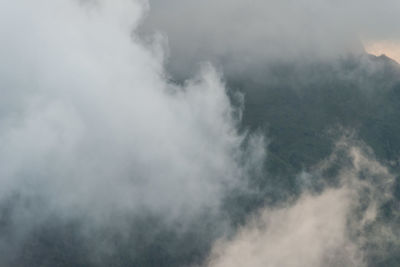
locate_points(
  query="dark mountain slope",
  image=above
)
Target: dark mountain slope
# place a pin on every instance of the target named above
(302, 109)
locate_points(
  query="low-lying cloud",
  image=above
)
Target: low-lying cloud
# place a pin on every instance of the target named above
(98, 145)
(240, 34)
(338, 227)
(92, 130)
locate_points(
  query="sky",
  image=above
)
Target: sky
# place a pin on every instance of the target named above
(383, 47)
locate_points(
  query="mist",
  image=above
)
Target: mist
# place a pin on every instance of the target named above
(92, 131)
(331, 226)
(186, 133)
(242, 36)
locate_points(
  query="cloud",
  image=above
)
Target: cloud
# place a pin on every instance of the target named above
(94, 133)
(91, 129)
(339, 226)
(240, 34)
(306, 234)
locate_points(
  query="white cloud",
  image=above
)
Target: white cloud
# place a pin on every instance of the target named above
(90, 125)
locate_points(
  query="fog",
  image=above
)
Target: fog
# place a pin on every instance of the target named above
(198, 133)
(243, 34)
(91, 129)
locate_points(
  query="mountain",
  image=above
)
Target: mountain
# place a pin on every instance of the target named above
(302, 109)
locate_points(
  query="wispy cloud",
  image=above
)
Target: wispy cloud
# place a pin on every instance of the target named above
(336, 227)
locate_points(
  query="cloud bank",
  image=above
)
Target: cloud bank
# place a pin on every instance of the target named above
(241, 34)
